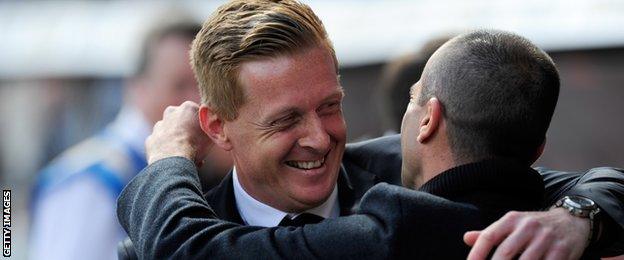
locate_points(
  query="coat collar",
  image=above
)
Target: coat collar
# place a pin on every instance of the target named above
(353, 182)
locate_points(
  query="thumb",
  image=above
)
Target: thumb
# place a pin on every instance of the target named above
(470, 237)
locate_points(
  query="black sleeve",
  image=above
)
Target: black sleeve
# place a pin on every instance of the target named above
(165, 215)
(430, 227)
(603, 185)
(382, 157)
(167, 218)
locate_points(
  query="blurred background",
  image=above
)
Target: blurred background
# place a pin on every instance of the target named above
(62, 65)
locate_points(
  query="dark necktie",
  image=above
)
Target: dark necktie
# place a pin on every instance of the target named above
(302, 219)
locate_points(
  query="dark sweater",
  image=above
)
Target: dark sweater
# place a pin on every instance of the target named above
(494, 186)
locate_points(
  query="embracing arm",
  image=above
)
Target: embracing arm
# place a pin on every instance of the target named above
(605, 186)
(166, 217)
(556, 233)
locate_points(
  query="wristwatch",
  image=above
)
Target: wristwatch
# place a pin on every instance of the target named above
(581, 207)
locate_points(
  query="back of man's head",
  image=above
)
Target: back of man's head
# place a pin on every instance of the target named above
(245, 30)
(498, 91)
(397, 78)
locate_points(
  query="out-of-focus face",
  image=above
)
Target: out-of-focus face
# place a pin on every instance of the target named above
(410, 146)
(168, 79)
(289, 136)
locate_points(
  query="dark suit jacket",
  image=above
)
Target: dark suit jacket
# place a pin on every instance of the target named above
(164, 213)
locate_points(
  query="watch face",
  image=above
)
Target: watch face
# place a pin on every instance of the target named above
(580, 202)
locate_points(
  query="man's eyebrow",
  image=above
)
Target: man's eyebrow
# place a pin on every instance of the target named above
(280, 113)
(339, 93)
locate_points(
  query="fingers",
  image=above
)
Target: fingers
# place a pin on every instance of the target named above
(185, 105)
(517, 240)
(177, 134)
(493, 235)
(470, 237)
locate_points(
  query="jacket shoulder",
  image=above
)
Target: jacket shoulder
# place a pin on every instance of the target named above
(380, 156)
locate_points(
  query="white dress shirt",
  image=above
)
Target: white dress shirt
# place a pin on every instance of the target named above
(256, 213)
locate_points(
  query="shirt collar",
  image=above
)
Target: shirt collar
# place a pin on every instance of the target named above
(256, 213)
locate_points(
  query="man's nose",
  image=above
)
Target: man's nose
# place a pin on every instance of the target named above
(315, 136)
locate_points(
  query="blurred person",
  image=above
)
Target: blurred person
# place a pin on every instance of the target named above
(74, 199)
(270, 96)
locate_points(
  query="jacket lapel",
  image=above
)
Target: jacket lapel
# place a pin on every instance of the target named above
(222, 201)
(353, 182)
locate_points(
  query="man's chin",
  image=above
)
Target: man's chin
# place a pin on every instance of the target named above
(309, 202)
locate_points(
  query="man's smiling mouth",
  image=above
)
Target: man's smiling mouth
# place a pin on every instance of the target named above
(306, 165)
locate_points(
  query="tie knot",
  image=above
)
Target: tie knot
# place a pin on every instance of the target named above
(300, 220)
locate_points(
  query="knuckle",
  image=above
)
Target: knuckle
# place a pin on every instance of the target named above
(488, 236)
(513, 215)
(531, 224)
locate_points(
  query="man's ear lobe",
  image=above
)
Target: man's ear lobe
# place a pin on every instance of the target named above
(430, 122)
(213, 126)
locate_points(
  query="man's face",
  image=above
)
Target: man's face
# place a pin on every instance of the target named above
(289, 136)
(410, 146)
(169, 78)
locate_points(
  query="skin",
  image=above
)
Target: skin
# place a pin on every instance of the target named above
(424, 142)
(292, 114)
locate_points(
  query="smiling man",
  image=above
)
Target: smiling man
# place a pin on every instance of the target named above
(271, 97)
(297, 140)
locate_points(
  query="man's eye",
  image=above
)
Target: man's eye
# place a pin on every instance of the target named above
(284, 122)
(330, 108)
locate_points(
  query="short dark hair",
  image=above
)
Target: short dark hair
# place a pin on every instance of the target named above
(186, 29)
(397, 78)
(498, 91)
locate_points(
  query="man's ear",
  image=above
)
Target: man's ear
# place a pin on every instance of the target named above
(430, 123)
(212, 125)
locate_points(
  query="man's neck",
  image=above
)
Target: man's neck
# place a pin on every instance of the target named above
(433, 165)
(257, 213)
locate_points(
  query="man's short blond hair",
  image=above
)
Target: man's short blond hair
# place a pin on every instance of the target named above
(246, 30)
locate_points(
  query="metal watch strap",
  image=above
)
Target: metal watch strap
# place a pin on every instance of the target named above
(588, 213)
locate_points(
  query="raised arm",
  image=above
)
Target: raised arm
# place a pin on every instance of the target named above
(166, 217)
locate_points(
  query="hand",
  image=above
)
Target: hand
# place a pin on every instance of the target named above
(178, 134)
(553, 234)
